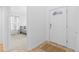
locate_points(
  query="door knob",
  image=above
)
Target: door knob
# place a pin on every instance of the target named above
(50, 26)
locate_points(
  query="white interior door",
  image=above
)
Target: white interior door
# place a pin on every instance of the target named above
(58, 26)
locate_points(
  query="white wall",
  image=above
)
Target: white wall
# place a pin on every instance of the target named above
(0, 25)
(5, 30)
(3, 26)
(37, 25)
(73, 27)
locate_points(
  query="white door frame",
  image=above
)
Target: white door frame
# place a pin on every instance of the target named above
(9, 36)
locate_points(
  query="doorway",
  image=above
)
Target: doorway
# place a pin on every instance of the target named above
(18, 28)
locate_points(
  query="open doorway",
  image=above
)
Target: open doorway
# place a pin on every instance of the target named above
(18, 28)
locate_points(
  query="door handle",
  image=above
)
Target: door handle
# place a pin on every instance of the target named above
(50, 26)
